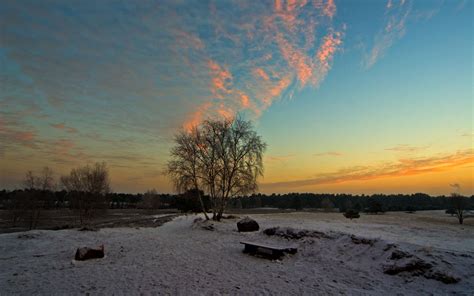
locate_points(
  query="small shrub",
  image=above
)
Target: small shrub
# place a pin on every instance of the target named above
(351, 214)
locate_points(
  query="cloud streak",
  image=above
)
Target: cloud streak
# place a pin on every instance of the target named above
(329, 153)
(401, 168)
(62, 126)
(406, 148)
(396, 16)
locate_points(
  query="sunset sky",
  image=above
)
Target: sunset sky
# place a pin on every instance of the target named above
(350, 96)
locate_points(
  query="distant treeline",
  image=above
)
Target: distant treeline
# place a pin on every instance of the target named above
(296, 201)
(391, 202)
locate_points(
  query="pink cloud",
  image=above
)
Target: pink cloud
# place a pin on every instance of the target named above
(245, 100)
(221, 81)
(62, 126)
(278, 6)
(261, 73)
(296, 59)
(276, 90)
(197, 116)
(24, 136)
(330, 8)
(252, 84)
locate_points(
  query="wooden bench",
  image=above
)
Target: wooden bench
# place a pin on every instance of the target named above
(273, 252)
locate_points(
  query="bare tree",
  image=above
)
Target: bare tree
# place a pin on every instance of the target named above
(87, 187)
(30, 180)
(28, 204)
(459, 204)
(151, 200)
(221, 157)
(46, 181)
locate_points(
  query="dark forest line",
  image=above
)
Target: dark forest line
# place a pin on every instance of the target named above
(296, 201)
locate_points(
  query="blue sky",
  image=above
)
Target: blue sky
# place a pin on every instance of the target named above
(351, 96)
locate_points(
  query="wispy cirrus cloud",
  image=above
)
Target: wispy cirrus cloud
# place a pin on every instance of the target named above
(407, 148)
(279, 158)
(396, 16)
(329, 153)
(402, 167)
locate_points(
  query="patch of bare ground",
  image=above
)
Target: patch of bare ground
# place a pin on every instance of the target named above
(67, 219)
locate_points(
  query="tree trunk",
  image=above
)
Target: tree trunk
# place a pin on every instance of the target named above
(202, 204)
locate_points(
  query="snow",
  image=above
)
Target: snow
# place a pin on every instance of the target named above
(182, 258)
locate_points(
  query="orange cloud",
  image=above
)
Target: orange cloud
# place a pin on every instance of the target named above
(24, 136)
(245, 101)
(62, 126)
(296, 59)
(404, 167)
(196, 117)
(278, 5)
(221, 81)
(276, 91)
(260, 72)
(330, 8)
(225, 112)
(329, 47)
(299, 60)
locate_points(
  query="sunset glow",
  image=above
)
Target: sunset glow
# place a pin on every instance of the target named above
(350, 96)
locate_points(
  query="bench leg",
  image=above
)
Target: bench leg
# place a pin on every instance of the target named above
(250, 249)
(276, 254)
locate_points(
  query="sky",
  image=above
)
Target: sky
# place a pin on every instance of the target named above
(350, 96)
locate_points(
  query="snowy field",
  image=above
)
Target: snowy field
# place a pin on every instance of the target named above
(182, 258)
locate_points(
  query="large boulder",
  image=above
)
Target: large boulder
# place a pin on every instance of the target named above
(89, 253)
(247, 225)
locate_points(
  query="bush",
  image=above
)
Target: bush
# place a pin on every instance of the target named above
(451, 211)
(375, 207)
(189, 202)
(351, 214)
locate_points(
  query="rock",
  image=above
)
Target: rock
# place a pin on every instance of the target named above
(209, 227)
(364, 241)
(88, 228)
(442, 277)
(397, 254)
(247, 225)
(414, 267)
(89, 253)
(270, 231)
(389, 246)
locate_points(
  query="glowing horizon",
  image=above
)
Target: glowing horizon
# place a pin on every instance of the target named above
(350, 97)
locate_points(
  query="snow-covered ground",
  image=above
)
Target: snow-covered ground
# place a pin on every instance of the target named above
(182, 258)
